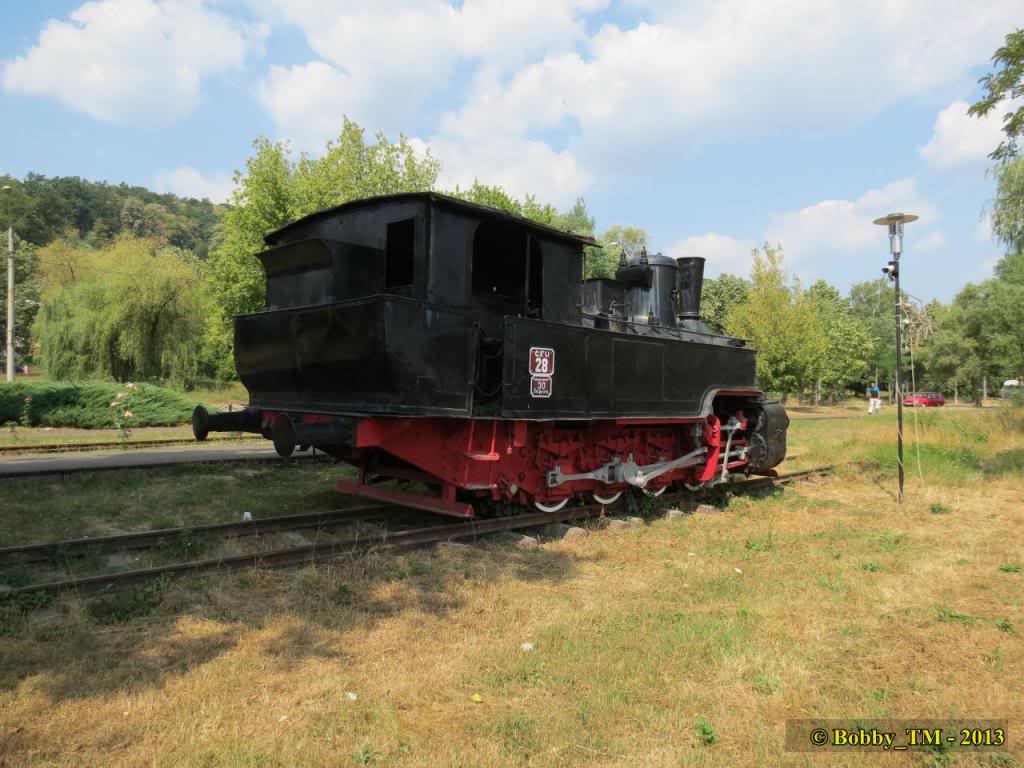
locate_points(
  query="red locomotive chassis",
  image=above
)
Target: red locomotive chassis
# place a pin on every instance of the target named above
(544, 463)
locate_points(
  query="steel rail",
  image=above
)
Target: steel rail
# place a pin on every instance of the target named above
(114, 445)
(53, 550)
(392, 540)
(212, 459)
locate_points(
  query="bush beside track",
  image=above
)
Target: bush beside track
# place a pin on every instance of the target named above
(87, 405)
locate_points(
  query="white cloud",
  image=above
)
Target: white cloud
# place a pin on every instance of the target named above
(829, 229)
(959, 139)
(834, 227)
(186, 181)
(635, 97)
(723, 253)
(140, 61)
(930, 242)
(536, 167)
(308, 101)
(380, 63)
(714, 69)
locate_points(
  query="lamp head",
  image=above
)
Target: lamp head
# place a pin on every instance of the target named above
(895, 222)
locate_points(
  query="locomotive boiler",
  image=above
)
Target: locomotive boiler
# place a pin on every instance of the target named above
(427, 340)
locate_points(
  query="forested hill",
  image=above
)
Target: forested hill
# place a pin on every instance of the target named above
(44, 208)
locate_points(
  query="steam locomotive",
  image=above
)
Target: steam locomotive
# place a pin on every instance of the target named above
(437, 344)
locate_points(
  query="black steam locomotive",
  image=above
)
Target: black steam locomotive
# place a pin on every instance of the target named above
(422, 338)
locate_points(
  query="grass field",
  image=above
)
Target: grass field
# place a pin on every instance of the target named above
(683, 643)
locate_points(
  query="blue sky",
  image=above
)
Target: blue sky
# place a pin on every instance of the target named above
(714, 124)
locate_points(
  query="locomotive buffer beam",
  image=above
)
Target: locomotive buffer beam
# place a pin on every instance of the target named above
(629, 471)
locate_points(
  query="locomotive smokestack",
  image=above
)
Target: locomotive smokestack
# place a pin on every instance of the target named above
(689, 281)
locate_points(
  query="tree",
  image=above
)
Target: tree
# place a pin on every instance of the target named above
(953, 359)
(615, 240)
(576, 219)
(1008, 204)
(1005, 84)
(979, 337)
(274, 190)
(848, 342)
(491, 196)
(619, 238)
(719, 297)
(45, 208)
(782, 324)
(26, 301)
(129, 311)
(873, 303)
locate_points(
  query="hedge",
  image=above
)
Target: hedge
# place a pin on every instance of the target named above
(87, 405)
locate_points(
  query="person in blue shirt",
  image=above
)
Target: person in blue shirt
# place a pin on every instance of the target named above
(874, 399)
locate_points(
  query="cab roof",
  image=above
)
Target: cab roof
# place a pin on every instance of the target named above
(435, 198)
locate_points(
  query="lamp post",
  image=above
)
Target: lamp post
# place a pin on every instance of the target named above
(895, 222)
(10, 286)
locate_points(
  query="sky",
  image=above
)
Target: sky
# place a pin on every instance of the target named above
(716, 125)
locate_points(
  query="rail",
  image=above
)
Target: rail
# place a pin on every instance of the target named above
(7, 450)
(349, 545)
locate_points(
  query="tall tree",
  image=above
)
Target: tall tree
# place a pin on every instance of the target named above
(26, 298)
(783, 325)
(1008, 204)
(873, 303)
(1003, 89)
(720, 295)
(276, 189)
(980, 336)
(848, 342)
(1004, 85)
(127, 311)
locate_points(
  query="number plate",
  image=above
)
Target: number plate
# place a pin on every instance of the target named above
(542, 361)
(540, 386)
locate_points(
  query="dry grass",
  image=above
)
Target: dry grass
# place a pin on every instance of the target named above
(844, 604)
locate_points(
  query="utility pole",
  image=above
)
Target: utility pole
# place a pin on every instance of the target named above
(895, 222)
(10, 286)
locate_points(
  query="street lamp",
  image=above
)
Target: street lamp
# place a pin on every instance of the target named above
(895, 222)
(10, 286)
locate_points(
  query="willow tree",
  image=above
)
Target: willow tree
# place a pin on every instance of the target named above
(129, 311)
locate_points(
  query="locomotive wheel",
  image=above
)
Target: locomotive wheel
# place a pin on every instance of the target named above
(552, 507)
(656, 493)
(606, 501)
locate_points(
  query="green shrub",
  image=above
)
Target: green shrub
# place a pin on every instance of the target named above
(87, 405)
(705, 731)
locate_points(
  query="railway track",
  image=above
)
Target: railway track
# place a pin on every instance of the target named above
(309, 553)
(55, 551)
(17, 450)
(22, 467)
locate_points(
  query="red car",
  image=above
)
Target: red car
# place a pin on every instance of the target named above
(924, 399)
